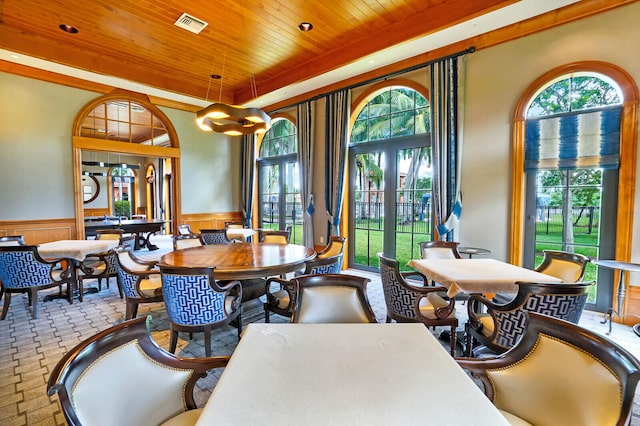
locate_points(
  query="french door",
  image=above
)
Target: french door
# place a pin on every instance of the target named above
(390, 204)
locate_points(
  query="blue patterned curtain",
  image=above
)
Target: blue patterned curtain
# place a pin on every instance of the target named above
(246, 179)
(574, 140)
(305, 160)
(337, 122)
(446, 144)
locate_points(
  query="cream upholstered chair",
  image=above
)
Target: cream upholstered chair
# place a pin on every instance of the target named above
(281, 299)
(274, 236)
(499, 326)
(184, 229)
(145, 384)
(415, 303)
(334, 246)
(138, 280)
(181, 242)
(560, 374)
(331, 298)
(439, 250)
(569, 267)
(12, 240)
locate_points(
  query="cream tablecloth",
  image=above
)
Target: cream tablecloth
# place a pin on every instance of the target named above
(477, 275)
(74, 249)
(345, 374)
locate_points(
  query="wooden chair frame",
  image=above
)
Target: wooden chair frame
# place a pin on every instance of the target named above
(73, 364)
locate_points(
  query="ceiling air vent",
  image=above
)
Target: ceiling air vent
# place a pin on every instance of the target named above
(190, 23)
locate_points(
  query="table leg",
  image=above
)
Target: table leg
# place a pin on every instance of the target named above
(621, 295)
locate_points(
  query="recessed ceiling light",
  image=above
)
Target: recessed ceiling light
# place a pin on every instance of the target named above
(216, 76)
(68, 28)
(305, 26)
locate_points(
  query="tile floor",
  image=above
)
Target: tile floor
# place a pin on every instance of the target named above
(29, 349)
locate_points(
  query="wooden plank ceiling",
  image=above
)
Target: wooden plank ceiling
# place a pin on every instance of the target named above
(136, 39)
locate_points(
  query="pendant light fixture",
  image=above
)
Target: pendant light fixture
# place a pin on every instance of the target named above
(232, 120)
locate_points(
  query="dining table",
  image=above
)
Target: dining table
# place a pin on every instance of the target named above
(345, 374)
(141, 228)
(74, 251)
(478, 275)
(238, 261)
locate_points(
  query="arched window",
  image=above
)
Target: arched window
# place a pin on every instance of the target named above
(574, 148)
(279, 181)
(126, 128)
(390, 174)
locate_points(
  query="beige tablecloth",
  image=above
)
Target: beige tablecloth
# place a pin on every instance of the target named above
(477, 275)
(345, 374)
(74, 249)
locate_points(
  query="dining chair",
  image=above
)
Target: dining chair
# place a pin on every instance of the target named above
(102, 265)
(184, 229)
(214, 236)
(12, 240)
(109, 234)
(331, 298)
(274, 236)
(559, 374)
(334, 246)
(569, 267)
(181, 242)
(138, 279)
(423, 303)
(196, 302)
(23, 270)
(439, 250)
(281, 293)
(145, 384)
(234, 224)
(497, 327)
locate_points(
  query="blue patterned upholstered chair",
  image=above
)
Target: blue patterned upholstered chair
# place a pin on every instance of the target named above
(22, 270)
(214, 236)
(498, 327)
(332, 298)
(146, 384)
(10, 240)
(195, 302)
(412, 303)
(138, 280)
(559, 374)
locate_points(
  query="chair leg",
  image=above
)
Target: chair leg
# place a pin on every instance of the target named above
(99, 284)
(266, 316)
(80, 290)
(207, 340)
(7, 302)
(173, 340)
(128, 314)
(33, 293)
(388, 318)
(453, 340)
(239, 325)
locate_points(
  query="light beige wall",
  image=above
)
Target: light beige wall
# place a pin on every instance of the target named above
(36, 182)
(210, 166)
(35, 148)
(496, 78)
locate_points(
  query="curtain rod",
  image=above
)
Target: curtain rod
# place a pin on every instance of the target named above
(471, 49)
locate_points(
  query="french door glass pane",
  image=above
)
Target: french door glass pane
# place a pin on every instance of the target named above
(369, 214)
(568, 214)
(413, 203)
(270, 179)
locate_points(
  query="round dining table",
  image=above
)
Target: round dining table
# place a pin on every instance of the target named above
(239, 261)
